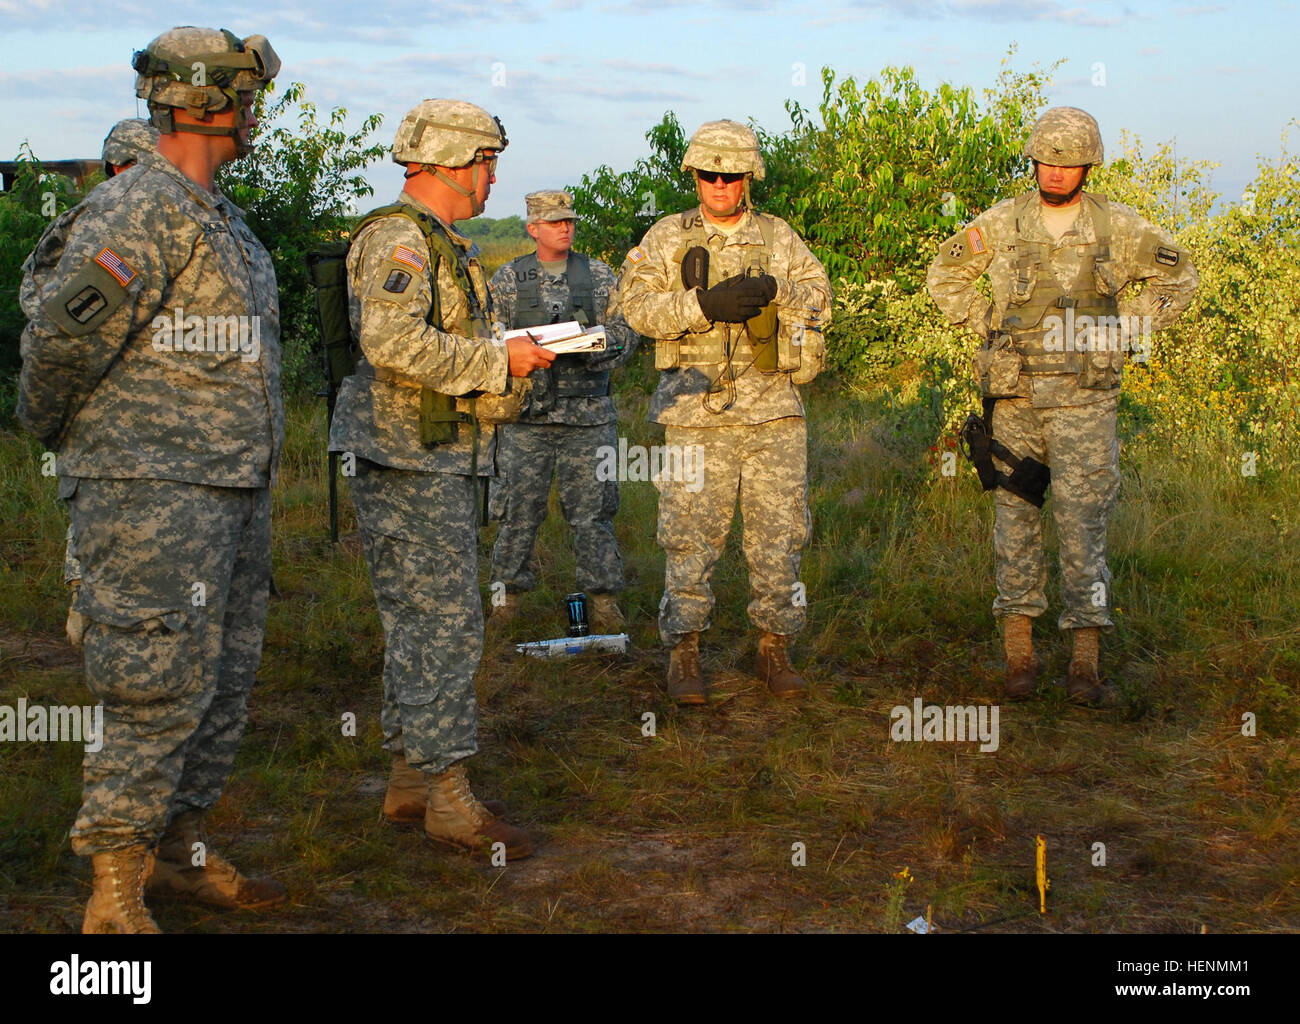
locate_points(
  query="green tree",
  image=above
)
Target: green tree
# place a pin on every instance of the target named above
(26, 210)
(893, 168)
(298, 189)
(615, 209)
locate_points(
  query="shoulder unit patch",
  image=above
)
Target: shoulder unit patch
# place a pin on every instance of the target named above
(636, 255)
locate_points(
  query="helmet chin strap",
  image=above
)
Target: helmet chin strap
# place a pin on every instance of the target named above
(164, 119)
(470, 193)
(1060, 198)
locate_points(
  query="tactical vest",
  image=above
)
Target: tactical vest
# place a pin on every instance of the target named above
(1035, 292)
(438, 412)
(566, 377)
(718, 346)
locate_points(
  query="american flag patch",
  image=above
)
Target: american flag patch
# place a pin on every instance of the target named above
(636, 255)
(112, 262)
(409, 256)
(976, 240)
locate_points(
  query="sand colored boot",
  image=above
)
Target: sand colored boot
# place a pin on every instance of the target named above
(213, 881)
(1023, 666)
(772, 665)
(408, 795)
(1083, 684)
(606, 617)
(76, 624)
(117, 903)
(455, 817)
(503, 614)
(685, 682)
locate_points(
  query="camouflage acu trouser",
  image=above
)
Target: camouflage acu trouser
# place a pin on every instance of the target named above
(766, 464)
(421, 541)
(71, 567)
(175, 583)
(1078, 442)
(527, 456)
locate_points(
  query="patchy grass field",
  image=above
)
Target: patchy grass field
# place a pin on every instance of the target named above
(694, 828)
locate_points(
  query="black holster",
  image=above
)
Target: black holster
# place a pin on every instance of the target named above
(1028, 479)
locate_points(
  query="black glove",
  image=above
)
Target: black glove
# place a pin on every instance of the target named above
(769, 286)
(735, 300)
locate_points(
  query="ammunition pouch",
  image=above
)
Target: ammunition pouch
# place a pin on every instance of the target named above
(998, 366)
(667, 353)
(439, 418)
(493, 410)
(805, 348)
(1028, 479)
(1059, 330)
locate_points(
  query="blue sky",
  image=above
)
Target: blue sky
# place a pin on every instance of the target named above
(578, 84)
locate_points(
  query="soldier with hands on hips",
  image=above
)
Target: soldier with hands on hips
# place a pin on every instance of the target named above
(1060, 261)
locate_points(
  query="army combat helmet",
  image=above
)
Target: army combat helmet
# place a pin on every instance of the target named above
(1065, 137)
(728, 147)
(450, 133)
(202, 70)
(128, 140)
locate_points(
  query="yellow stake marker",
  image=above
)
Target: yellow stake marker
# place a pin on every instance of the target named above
(1040, 846)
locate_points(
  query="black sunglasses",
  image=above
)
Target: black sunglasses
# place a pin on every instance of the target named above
(710, 177)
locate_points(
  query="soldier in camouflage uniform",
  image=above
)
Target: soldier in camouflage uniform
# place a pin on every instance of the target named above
(151, 364)
(569, 418)
(737, 304)
(420, 308)
(128, 140)
(1059, 259)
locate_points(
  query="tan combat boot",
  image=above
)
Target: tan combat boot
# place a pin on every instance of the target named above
(408, 795)
(1023, 665)
(772, 665)
(606, 617)
(1083, 684)
(685, 683)
(117, 903)
(503, 614)
(76, 624)
(215, 881)
(455, 817)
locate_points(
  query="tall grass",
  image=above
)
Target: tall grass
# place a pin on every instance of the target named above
(693, 827)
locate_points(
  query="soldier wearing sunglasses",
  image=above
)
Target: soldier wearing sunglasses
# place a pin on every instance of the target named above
(736, 304)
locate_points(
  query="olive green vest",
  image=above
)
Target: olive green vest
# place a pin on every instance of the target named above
(718, 348)
(1035, 292)
(567, 377)
(438, 413)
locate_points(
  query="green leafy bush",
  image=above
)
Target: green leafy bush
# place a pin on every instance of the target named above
(298, 190)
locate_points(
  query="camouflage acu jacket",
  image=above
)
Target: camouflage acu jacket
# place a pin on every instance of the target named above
(390, 293)
(153, 347)
(653, 301)
(578, 411)
(1140, 251)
